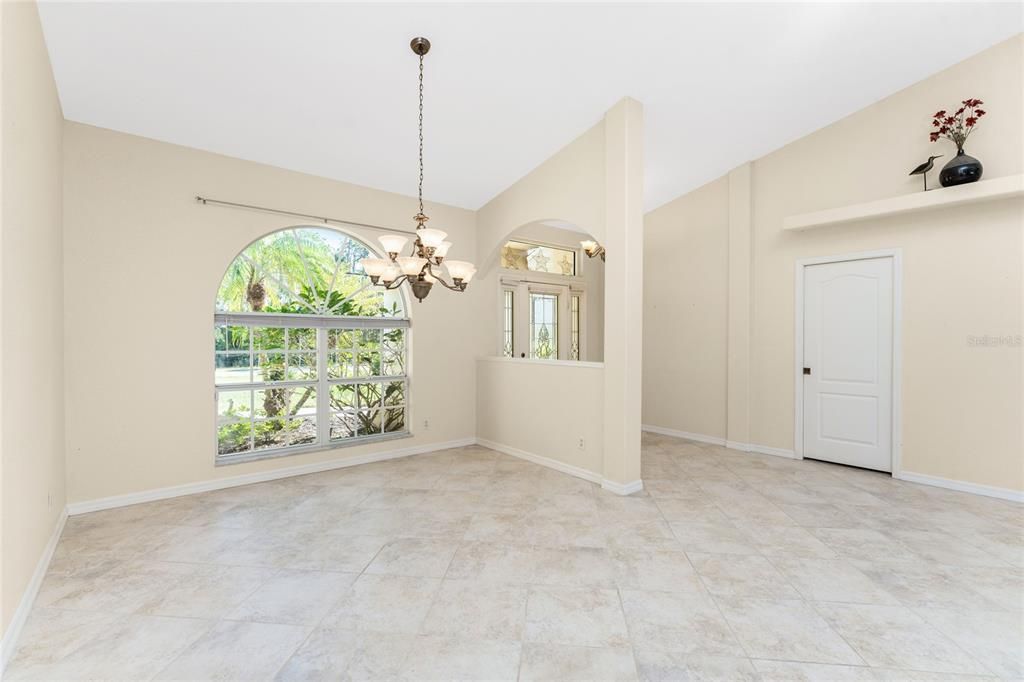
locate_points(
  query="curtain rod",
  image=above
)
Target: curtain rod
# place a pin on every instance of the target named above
(231, 204)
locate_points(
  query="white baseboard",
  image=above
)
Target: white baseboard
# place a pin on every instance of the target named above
(13, 632)
(257, 477)
(700, 437)
(715, 440)
(578, 472)
(962, 486)
(622, 488)
(760, 449)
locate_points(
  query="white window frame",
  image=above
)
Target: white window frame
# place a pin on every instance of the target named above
(322, 323)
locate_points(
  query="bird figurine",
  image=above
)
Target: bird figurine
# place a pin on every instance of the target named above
(923, 169)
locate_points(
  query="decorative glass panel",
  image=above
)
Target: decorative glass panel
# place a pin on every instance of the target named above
(574, 320)
(508, 330)
(544, 326)
(517, 255)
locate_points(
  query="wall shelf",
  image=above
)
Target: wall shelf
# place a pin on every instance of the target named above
(984, 190)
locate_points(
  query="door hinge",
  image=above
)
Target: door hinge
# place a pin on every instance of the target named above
(807, 370)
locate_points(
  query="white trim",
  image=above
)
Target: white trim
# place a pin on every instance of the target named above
(309, 320)
(761, 449)
(257, 477)
(700, 437)
(715, 440)
(945, 197)
(962, 486)
(13, 632)
(897, 348)
(552, 363)
(622, 488)
(578, 472)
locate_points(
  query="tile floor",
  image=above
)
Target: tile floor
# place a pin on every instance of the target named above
(469, 564)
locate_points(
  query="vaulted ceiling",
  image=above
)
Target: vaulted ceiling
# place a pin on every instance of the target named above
(330, 89)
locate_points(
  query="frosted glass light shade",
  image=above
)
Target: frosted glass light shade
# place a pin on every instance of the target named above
(460, 269)
(392, 273)
(442, 250)
(392, 243)
(431, 238)
(411, 265)
(374, 267)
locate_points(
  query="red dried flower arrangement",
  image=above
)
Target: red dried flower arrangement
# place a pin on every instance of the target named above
(957, 127)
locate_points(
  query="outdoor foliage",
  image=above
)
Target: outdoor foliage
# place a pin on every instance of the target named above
(304, 271)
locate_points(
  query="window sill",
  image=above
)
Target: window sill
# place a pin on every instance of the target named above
(551, 363)
(276, 453)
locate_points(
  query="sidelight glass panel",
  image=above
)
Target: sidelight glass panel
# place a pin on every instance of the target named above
(508, 330)
(574, 321)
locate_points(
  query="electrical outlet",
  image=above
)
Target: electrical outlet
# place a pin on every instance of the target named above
(426, 424)
(581, 445)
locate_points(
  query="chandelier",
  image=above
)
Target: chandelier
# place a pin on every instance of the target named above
(421, 269)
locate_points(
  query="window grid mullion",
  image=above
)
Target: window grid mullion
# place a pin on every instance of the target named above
(323, 403)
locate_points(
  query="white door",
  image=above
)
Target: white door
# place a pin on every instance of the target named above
(847, 371)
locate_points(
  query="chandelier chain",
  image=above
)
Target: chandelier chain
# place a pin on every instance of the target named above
(421, 136)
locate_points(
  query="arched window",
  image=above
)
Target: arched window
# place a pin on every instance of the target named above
(307, 354)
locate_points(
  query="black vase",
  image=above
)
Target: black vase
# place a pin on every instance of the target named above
(960, 170)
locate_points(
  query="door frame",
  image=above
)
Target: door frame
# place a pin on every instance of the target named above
(897, 347)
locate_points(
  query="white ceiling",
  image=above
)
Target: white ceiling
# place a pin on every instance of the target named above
(330, 89)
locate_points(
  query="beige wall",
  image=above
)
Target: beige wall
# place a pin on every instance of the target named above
(962, 404)
(543, 408)
(143, 263)
(685, 308)
(568, 186)
(32, 358)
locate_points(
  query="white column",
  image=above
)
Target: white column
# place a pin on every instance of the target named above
(623, 300)
(738, 364)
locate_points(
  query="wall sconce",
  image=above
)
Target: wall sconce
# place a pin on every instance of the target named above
(592, 249)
